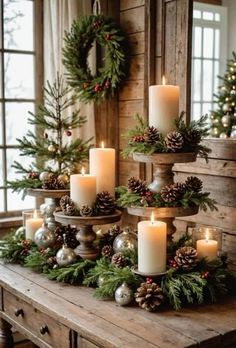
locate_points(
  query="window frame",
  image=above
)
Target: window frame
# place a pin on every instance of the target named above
(38, 83)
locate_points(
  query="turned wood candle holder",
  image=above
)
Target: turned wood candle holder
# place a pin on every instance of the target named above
(163, 175)
(86, 234)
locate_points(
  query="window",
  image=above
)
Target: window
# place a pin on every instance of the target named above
(20, 68)
(208, 55)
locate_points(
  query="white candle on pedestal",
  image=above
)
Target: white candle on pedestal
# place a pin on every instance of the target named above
(207, 248)
(152, 246)
(83, 189)
(102, 164)
(163, 107)
(32, 225)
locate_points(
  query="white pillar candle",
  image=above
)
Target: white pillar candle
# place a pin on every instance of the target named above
(32, 225)
(83, 189)
(207, 248)
(163, 107)
(102, 164)
(152, 246)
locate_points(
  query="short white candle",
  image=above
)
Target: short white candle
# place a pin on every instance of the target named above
(102, 164)
(163, 107)
(207, 248)
(32, 225)
(152, 246)
(83, 189)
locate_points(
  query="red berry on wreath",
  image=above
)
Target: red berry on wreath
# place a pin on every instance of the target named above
(205, 275)
(138, 138)
(107, 84)
(97, 88)
(149, 280)
(173, 263)
(68, 133)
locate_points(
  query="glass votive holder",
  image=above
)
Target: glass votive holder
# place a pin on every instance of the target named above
(32, 221)
(208, 241)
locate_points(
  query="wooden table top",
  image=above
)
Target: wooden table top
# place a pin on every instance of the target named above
(108, 325)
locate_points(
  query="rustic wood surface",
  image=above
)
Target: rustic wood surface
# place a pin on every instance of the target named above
(47, 193)
(165, 212)
(87, 220)
(105, 324)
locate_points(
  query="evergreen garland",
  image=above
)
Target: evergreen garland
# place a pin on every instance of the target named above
(78, 42)
(192, 135)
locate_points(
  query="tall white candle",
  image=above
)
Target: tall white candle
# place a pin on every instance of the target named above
(32, 225)
(163, 107)
(102, 164)
(152, 246)
(83, 189)
(207, 248)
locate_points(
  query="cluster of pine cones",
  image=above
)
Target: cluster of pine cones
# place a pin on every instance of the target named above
(174, 141)
(104, 205)
(169, 194)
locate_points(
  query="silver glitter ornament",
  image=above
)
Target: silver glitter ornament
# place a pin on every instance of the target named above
(233, 132)
(223, 135)
(51, 148)
(65, 256)
(124, 295)
(44, 176)
(20, 233)
(125, 240)
(226, 120)
(44, 237)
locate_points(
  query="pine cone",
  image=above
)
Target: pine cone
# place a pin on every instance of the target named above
(109, 236)
(118, 260)
(68, 206)
(186, 257)
(151, 135)
(149, 296)
(137, 186)
(61, 184)
(51, 261)
(86, 211)
(174, 141)
(70, 236)
(50, 182)
(172, 193)
(114, 231)
(192, 137)
(107, 251)
(105, 204)
(193, 184)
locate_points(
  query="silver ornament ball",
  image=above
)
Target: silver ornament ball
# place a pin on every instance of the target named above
(20, 233)
(226, 107)
(233, 132)
(65, 256)
(225, 120)
(223, 135)
(44, 176)
(44, 237)
(124, 295)
(125, 240)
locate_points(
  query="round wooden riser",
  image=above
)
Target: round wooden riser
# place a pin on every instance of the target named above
(86, 234)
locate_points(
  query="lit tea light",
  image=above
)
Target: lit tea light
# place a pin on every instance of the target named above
(207, 247)
(32, 224)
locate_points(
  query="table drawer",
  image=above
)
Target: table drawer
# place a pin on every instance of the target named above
(38, 323)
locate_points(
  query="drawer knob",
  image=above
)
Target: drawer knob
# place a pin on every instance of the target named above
(44, 329)
(18, 312)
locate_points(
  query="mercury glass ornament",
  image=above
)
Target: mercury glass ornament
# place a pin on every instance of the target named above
(64, 178)
(225, 120)
(233, 132)
(65, 256)
(51, 148)
(123, 295)
(44, 237)
(125, 240)
(223, 135)
(233, 92)
(20, 233)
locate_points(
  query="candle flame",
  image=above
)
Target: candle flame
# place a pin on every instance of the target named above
(163, 80)
(152, 217)
(207, 236)
(82, 171)
(102, 145)
(35, 214)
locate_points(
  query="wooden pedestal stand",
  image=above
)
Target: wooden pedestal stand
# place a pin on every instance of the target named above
(163, 175)
(86, 234)
(53, 202)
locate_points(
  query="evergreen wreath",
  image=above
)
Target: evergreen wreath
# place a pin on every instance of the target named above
(79, 41)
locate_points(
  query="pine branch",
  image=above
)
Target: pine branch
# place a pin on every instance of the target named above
(37, 260)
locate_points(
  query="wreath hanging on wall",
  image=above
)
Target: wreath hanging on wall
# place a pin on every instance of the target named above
(78, 42)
